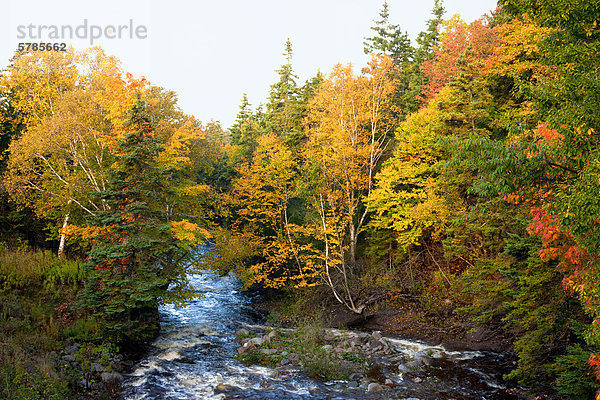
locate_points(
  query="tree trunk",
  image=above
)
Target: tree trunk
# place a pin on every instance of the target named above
(63, 236)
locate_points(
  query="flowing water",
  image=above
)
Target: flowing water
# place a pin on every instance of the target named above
(194, 358)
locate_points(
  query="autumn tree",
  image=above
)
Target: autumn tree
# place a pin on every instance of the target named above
(408, 204)
(17, 223)
(262, 196)
(58, 161)
(61, 160)
(349, 127)
(558, 166)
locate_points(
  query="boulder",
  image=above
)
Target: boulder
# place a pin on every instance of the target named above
(222, 387)
(268, 351)
(376, 345)
(374, 387)
(246, 347)
(84, 383)
(71, 348)
(356, 341)
(256, 341)
(111, 377)
(69, 358)
(242, 332)
(355, 376)
(267, 338)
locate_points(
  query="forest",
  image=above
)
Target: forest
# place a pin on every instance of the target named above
(453, 181)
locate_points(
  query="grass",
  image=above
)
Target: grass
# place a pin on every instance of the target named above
(37, 316)
(21, 267)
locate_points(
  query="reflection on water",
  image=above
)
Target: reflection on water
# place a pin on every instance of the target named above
(194, 358)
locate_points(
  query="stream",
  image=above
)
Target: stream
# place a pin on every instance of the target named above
(194, 357)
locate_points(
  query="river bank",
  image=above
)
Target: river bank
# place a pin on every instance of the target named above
(407, 320)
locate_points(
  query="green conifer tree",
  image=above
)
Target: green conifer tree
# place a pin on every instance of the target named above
(131, 262)
(389, 40)
(284, 111)
(247, 129)
(427, 41)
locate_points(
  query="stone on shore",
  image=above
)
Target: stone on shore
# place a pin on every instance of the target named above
(374, 387)
(242, 332)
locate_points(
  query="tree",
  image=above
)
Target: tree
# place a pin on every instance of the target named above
(349, 123)
(389, 40)
(261, 197)
(246, 130)
(16, 223)
(427, 41)
(284, 112)
(57, 162)
(463, 46)
(61, 160)
(135, 254)
(408, 200)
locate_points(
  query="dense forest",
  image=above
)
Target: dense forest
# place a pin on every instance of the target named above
(457, 176)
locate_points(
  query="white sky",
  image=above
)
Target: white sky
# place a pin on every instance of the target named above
(212, 51)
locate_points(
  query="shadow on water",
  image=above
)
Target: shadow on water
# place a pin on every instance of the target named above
(194, 358)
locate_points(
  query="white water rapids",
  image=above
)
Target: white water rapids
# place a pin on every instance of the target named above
(195, 358)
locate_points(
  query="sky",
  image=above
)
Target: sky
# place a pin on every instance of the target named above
(211, 52)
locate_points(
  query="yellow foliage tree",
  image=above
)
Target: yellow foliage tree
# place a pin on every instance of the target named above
(262, 195)
(408, 199)
(75, 107)
(350, 119)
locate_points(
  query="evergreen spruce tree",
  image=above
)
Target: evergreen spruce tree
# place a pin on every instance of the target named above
(247, 129)
(427, 41)
(284, 111)
(130, 263)
(389, 40)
